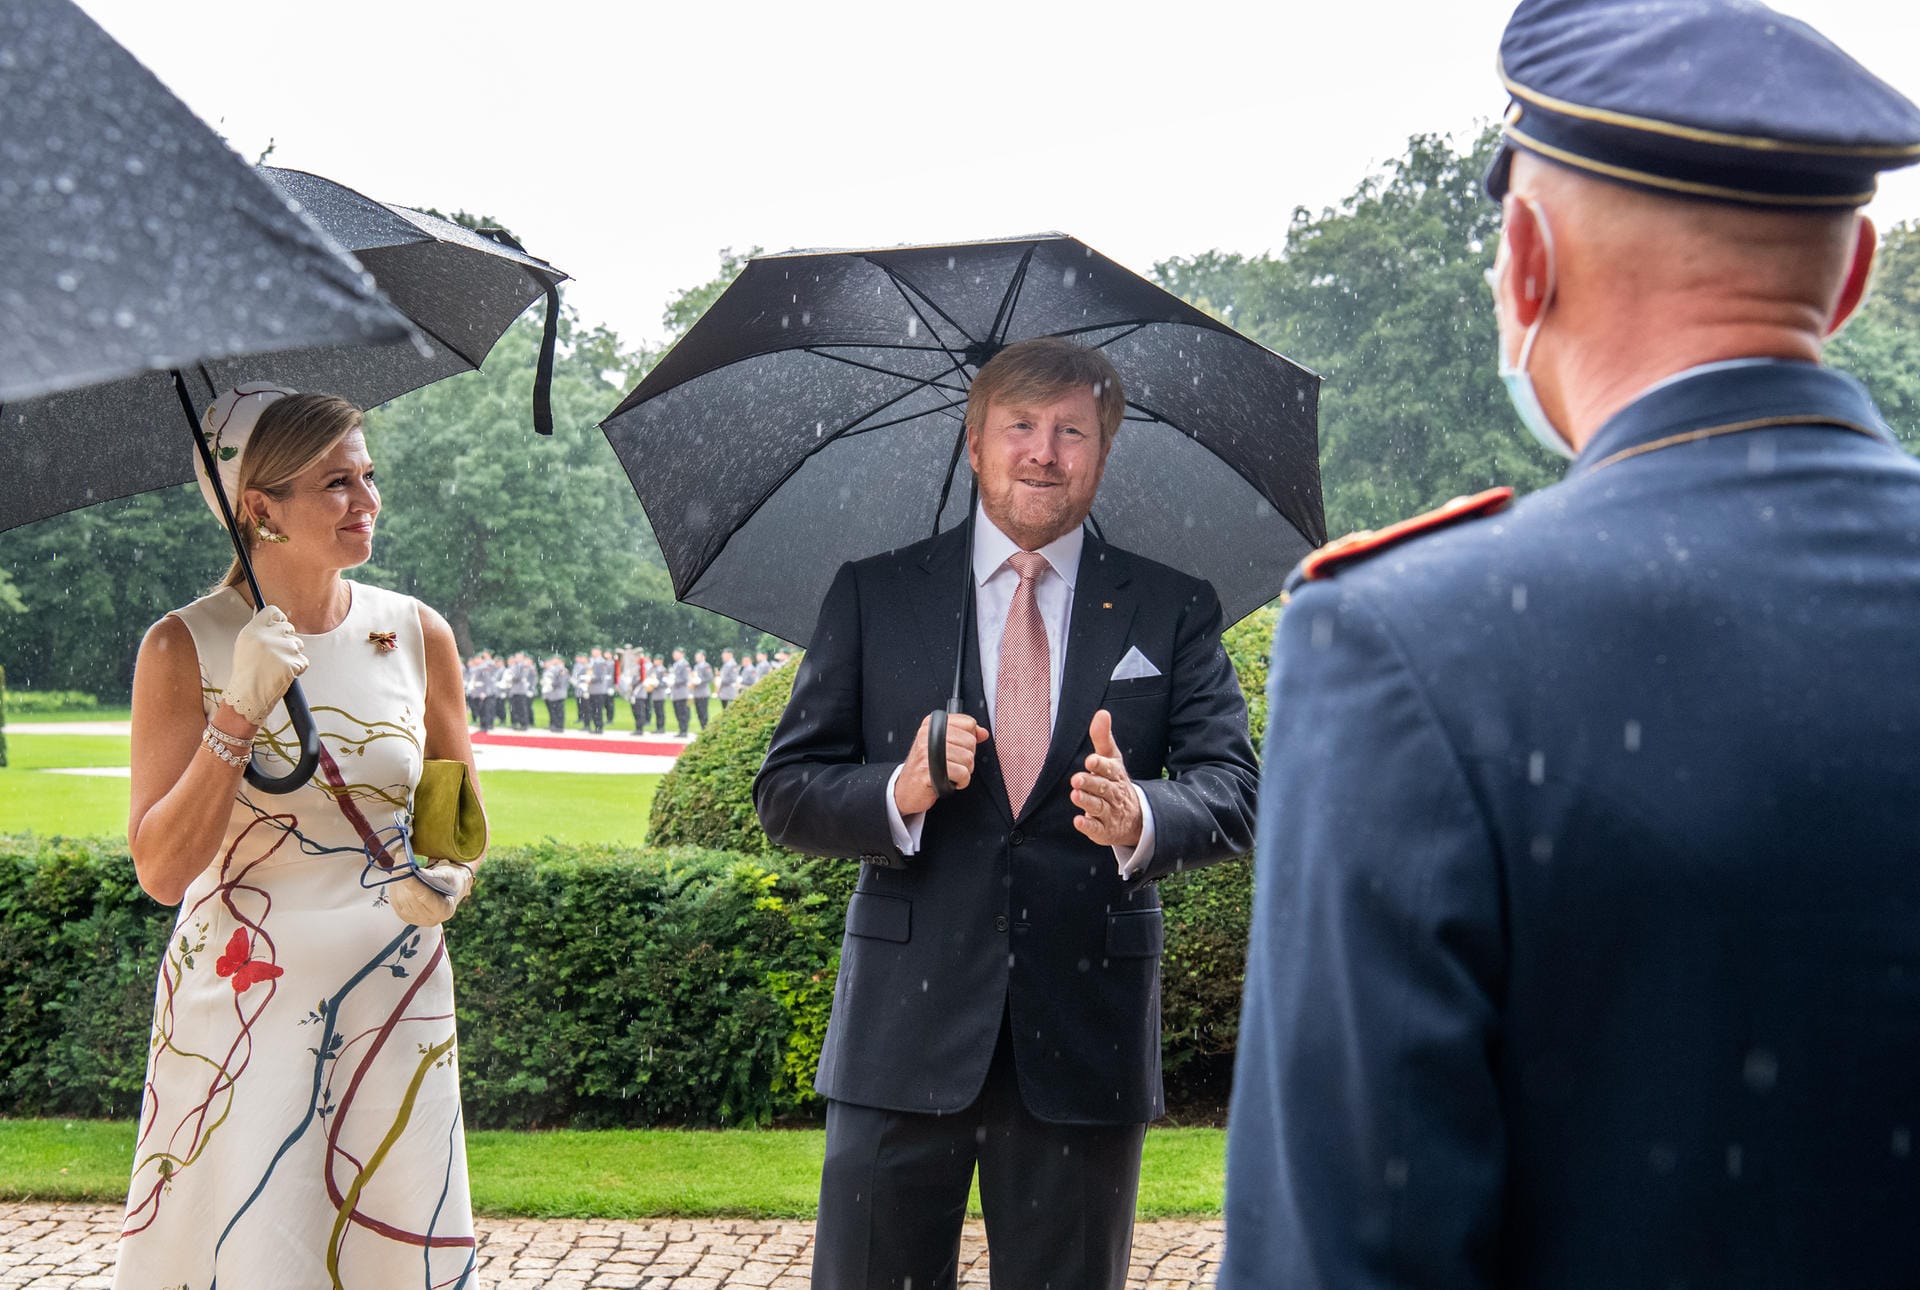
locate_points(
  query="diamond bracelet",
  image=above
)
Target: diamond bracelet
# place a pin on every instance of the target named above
(211, 741)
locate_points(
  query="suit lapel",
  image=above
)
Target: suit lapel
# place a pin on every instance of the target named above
(1103, 608)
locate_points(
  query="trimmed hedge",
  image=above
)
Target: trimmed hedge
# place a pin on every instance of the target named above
(707, 800)
(597, 987)
(30, 703)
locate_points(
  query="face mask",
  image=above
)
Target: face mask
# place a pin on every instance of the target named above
(1520, 391)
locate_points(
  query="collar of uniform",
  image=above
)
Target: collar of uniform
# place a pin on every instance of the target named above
(991, 548)
(1727, 393)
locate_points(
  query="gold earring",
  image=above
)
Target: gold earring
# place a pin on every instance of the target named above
(265, 534)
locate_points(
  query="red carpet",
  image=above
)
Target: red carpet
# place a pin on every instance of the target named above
(620, 742)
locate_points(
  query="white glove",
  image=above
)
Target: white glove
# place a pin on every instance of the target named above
(428, 896)
(267, 655)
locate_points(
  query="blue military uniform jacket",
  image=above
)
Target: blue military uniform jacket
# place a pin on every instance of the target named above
(1587, 924)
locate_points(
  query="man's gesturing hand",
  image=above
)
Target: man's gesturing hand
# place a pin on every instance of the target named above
(1110, 808)
(913, 791)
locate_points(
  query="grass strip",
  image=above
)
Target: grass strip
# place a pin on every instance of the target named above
(615, 1173)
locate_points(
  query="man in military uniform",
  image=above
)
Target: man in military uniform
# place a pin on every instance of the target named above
(520, 688)
(553, 691)
(702, 685)
(659, 685)
(680, 689)
(582, 678)
(600, 685)
(1586, 943)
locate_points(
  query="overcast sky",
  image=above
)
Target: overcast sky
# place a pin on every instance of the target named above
(629, 142)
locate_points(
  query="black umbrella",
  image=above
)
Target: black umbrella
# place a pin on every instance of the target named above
(814, 415)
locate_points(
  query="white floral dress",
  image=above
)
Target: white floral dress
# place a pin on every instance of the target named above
(300, 1124)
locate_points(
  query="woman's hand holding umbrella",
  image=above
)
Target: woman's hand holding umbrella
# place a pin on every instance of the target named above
(267, 656)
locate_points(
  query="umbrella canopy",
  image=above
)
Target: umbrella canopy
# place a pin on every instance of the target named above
(459, 288)
(131, 236)
(814, 415)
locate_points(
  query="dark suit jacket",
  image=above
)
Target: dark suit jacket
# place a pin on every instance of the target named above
(995, 912)
(1586, 948)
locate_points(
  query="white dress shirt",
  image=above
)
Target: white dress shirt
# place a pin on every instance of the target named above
(994, 583)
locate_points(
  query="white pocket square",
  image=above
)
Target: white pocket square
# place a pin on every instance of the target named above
(1133, 666)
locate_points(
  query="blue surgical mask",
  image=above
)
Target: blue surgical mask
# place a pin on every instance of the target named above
(1519, 383)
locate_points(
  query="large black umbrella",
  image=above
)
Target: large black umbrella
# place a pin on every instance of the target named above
(814, 415)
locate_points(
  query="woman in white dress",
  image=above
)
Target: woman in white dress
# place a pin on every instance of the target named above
(300, 1124)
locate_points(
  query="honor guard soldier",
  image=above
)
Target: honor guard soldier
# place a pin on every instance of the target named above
(702, 685)
(553, 692)
(1586, 941)
(680, 689)
(727, 684)
(521, 683)
(659, 686)
(582, 677)
(600, 685)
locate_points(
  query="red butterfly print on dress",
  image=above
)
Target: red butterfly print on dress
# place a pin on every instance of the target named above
(239, 964)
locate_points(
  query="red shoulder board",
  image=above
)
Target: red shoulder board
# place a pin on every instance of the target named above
(1335, 555)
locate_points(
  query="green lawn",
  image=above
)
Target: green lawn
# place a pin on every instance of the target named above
(771, 1173)
(523, 805)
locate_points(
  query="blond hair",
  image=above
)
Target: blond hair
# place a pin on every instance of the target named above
(1044, 369)
(290, 437)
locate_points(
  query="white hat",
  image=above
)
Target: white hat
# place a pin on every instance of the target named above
(226, 425)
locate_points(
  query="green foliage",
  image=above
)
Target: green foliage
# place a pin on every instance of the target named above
(1881, 345)
(706, 800)
(79, 949)
(34, 703)
(3, 716)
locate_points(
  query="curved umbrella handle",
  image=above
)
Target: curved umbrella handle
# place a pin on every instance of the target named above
(937, 752)
(302, 718)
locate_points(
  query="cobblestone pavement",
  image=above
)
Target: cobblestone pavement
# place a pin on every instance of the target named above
(71, 1246)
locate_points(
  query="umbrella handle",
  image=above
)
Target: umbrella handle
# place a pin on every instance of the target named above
(937, 753)
(302, 718)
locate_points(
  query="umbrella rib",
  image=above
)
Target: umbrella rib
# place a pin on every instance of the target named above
(946, 407)
(1003, 318)
(901, 283)
(1132, 325)
(883, 371)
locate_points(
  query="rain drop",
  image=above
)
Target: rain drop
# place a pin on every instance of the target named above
(1519, 598)
(68, 282)
(1633, 736)
(913, 328)
(1537, 768)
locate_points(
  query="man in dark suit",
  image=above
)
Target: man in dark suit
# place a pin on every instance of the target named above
(1586, 948)
(998, 998)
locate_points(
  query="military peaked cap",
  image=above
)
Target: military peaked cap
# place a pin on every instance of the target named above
(1724, 100)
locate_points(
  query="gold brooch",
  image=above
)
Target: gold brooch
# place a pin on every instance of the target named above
(385, 642)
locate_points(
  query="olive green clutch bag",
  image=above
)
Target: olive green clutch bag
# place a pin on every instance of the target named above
(448, 823)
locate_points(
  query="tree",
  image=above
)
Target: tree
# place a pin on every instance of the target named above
(1881, 345)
